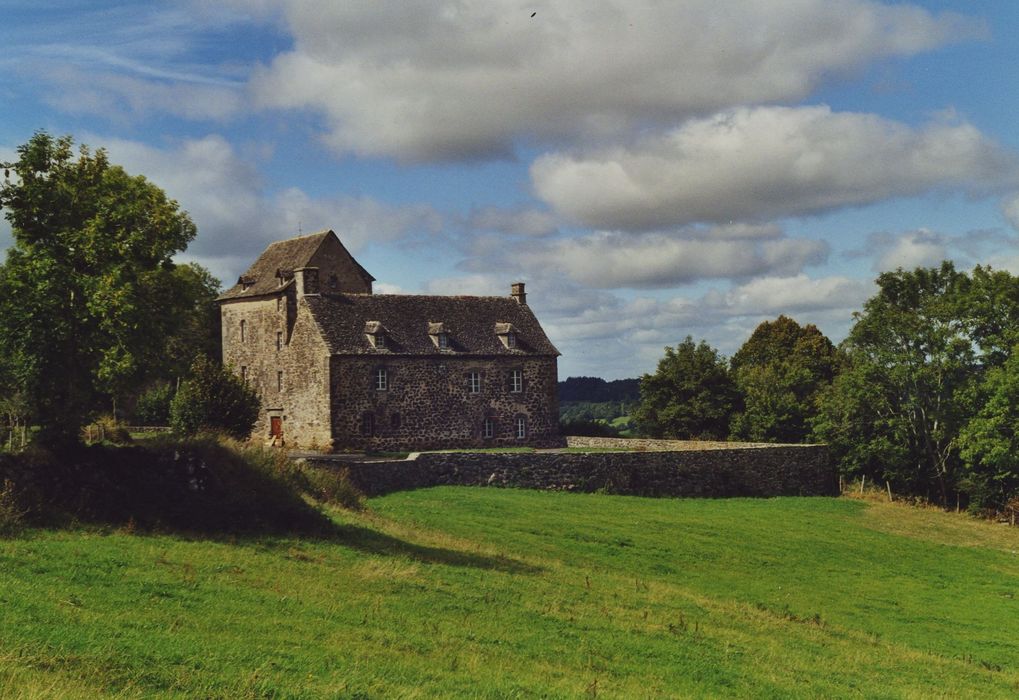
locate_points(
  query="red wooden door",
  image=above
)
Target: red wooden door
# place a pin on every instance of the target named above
(275, 426)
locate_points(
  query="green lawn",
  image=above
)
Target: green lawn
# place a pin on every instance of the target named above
(505, 593)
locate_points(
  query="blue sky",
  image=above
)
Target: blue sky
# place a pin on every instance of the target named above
(651, 170)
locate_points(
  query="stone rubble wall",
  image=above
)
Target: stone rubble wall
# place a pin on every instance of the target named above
(715, 473)
(653, 445)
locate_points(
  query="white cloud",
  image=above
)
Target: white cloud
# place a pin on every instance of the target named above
(914, 249)
(237, 217)
(658, 260)
(766, 163)
(523, 221)
(790, 295)
(1010, 208)
(112, 95)
(469, 79)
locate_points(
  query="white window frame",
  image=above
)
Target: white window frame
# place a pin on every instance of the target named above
(521, 427)
(381, 379)
(516, 381)
(488, 428)
(380, 340)
(474, 383)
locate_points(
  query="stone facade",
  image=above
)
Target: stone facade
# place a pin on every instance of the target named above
(339, 368)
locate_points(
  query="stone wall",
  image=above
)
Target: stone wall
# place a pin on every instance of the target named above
(757, 471)
(427, 403)
(302, 357)
(653, 445)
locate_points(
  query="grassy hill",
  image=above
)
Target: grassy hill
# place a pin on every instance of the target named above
(504, 593)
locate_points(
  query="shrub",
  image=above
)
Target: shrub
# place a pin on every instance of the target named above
(153, 406)
(106, 428)
(214, 399)
(12, 515)
(587, 428)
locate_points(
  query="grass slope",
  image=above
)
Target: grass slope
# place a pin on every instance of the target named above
(504, 593)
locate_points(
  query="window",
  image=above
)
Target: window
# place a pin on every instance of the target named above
(380, 340)
(244, 326)
(244, 373)
(381, 380)
(279, 304)
(279, 340)
(521, 427)
(511, 340)
(279, 380)
(488, 428)
(443, 341)
(368, 424)
(394, 420)
(474, 383)
(517, 381)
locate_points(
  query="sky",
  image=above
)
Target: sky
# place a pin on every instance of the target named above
(651, 170)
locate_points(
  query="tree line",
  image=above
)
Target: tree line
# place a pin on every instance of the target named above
(922, 394)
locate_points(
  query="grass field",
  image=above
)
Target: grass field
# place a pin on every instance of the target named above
(503, 593)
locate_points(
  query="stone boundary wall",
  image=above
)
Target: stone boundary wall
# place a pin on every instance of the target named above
(653, 445)
(718, 473)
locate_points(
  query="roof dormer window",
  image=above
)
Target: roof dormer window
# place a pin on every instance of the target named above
(437, 332)
(507, 334)
(376, 334)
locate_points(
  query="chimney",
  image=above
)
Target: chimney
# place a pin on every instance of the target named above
(307, 280)
(518, 293)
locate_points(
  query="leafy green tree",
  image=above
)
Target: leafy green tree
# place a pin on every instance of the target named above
(153, 405)
(779, 372)
(895, 412)
(215, 399)
(990, 440)
(81, 315)
(690, 395)
(189, 294)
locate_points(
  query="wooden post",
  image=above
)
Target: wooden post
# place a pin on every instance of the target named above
(889, 485)
(863, 482)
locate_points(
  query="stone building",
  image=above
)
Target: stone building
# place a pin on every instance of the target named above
(338, 367)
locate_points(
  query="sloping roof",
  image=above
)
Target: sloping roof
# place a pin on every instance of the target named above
(261, 278)
(470, 323)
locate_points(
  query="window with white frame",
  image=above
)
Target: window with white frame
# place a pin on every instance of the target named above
(380, 340)
(488, 428)
(517, 381)
(442, 340)
(279, 304)
(511, 340)
(279, 340)
(474, 382)
(244, 373)
(521, 427)
(381, 380)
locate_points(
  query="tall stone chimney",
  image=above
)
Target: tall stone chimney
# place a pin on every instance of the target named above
(307, 280)
(518, 293)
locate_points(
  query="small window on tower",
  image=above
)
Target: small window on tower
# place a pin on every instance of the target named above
(279, 381)
(244, 373)
(279, 304)
(244, 327)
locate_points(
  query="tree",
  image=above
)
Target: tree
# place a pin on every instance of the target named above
(214, 398)
(80, 312)
(895, 412)
(779, 372)
(990, 441)
(690, 395)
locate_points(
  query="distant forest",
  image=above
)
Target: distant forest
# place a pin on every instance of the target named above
(597, 390)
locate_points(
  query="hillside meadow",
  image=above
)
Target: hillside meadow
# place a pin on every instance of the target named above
(490, 593)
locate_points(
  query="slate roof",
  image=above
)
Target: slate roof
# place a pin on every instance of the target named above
(470, 323)
(285, 256)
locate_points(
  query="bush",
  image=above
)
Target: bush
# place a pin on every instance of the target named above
(153, 406)
(214, 399)
(587, 428)
(106, 428)
(12, 515)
